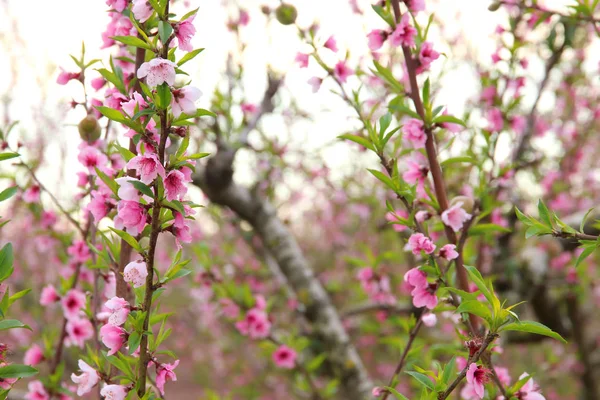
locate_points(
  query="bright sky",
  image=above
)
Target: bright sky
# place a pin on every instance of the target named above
(51, 30)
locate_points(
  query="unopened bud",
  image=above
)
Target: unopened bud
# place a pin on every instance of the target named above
(89, 129)
(286, 14)
(265, 10)
(494, 6)
(467, 203)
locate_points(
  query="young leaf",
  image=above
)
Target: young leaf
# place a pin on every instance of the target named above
(8, 193)
(423, 379)
(189, 56)
(12, 324)
(17, 371)
(532, 327)
(129, 239)
(6, 261)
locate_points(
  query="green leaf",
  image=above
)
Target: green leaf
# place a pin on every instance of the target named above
(133, 41)
(125, 153)
(129, 239)
(581, 226)
(397, 104)
(383, 178)
(8, 156)
(6, 261)
(200, 112)
(358, 139)
(112, 78)
(423, 379)
(12, 324)
(17, 371)
(476, 308)
(587, 251)
(108, 181)
(8, 193)
(396, 393)
(449, 119)
(142, 187)
(532, 327)
(456, 160)
(164, 31)
(477, 279)
(385, 74)
(112, 114)
(163, 96)
(197, 156)
(134, 342)
(544, 214)
(449, 370)
(189, 56)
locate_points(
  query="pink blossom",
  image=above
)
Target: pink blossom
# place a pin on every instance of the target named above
(284, 357)
(393, 217)
(142, 10)
(418, 242)
(48, 219)
(455, 217)
(126, 189)
(302, 59)
(157, 71)
(488, 94)
(79, 251)
(256, 324)
(448, 252)
(73, 302)
(422, 291)
(404, 34)
(113, 337)
(422, 216)
(184, 100)
(518, 123)
(185, 31)
(32, 194)
(415, 5)
(418, 168)
(33, 356)
(119, 310)
(175, 187)
(315, 83)
(181, 230)
(429, 319)
(530, 391)
(331, 44)
(377, 391)
(427, 55)
(114, 392)
(164, 373)
(503, 375)
(118, 5)
(376, 39)
(415, 133)
(79, 330)
(495, 120)
(119, 25)
(36, 391)
(147, 166)
(64, 77)
(229, 308)
(135, 273)
(132, 216)
(87, 380)
(342, 72)
(477, 376)
(49, 296)
(100, 205)
(91, 158)
(6, 383)
(136, 101)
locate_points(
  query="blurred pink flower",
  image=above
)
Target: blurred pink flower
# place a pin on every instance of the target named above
(285, 357)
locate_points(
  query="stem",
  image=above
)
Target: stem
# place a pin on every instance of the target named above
(434, 165)
(411, 339)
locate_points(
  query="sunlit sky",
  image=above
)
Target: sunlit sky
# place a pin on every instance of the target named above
(37, 36)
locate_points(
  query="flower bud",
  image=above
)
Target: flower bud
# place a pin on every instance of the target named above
(89, 129)
(494, 6)
(265, 10)
(467, 203)
(286, 14)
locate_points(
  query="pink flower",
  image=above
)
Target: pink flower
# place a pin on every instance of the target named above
(130, 105)
(119, 310)
(503, 375)
(477, 376)
(495, 120)
(331, 44)
(135, 273)
(79, 251)
(377, 391)
(376, 39)
(147, 166)
(175, 187)
(32, 194)
(36, 391)
(302, 59)
(342, 72)
(79, 330)
(418, 242)
(64, 77)
(393, 217)
(404, 34)
(427, 55)
(131, 215)
(315, 83)
(256, 324)
(114, 392)
(164, 373)
(100, 205)
(418, 169)
(284, 357)
(449, 252)
(87, 380)
(415, 5)
(73, 302)
(529, 391)
(118, 5)
(184, 100)
(6, 383)
(49, 296)
(126, 189)
(415, 133)
(429, 319)
(157, 71)
(90, 157)
(184, 32)
(142, 10)
(33, 356)
(181, 230)
(455, 217)
(113, 337)
(48, 219)
(423, 292)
